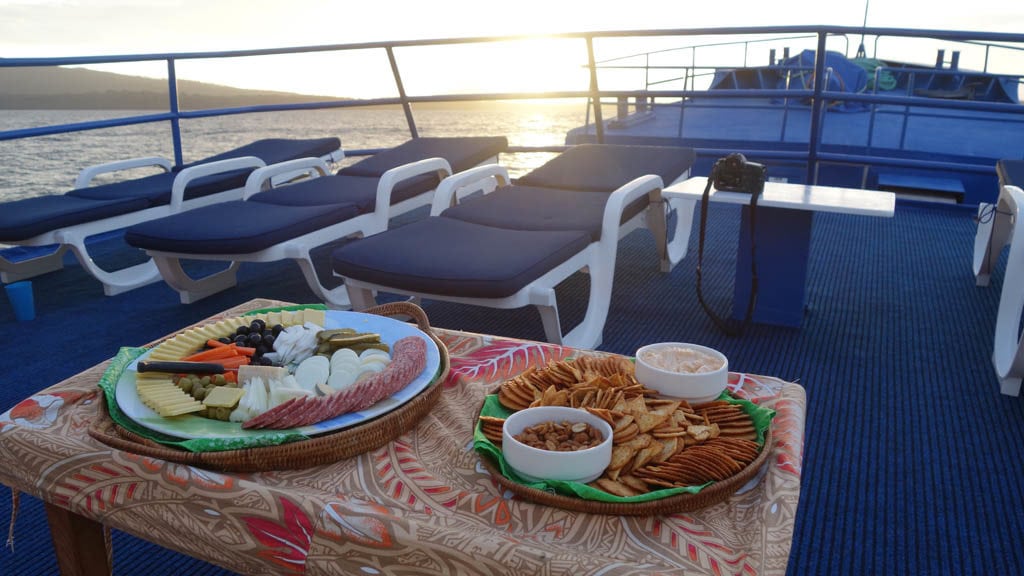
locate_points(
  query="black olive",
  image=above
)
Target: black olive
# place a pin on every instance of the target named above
(269, 339)
(265, 361)
(277, 330)
(242, 330)
(262, 349)
(254, 339)
(257, 325)
(224, 340)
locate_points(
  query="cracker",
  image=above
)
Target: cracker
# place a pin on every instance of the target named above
(626, 434)
(635, 483)
(614, 487)
(650, 420)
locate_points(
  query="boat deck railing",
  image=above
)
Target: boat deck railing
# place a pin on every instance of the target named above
(682, 68)
(600, 91)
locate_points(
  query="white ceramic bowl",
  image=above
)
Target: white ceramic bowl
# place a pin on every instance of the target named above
(679, 381)
(534, 464)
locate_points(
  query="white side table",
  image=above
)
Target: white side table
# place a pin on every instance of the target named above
(785, 213)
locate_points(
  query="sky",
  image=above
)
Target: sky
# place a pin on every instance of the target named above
(40, 28)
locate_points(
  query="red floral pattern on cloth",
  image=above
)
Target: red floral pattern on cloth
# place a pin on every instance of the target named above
(286, 539)
(421, 504)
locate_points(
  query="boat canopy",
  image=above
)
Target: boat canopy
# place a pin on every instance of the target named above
(870, 75)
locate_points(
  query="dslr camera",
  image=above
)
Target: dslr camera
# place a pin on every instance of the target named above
(734, 174)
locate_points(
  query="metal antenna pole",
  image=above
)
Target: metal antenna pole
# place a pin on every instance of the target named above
(861, 53)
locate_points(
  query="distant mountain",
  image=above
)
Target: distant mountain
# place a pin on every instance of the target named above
(79, 88)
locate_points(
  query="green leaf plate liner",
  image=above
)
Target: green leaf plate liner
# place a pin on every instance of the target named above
(761, 416)
(125, 356)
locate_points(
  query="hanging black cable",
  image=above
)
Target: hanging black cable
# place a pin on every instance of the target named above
(742, 176)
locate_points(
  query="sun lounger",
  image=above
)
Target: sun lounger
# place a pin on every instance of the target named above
(67, 220)
(511, 247)
(1008, 351)
(288, 222)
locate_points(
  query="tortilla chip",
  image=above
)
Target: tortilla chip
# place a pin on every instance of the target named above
(650, 420)
(635, 406)
(613, 487)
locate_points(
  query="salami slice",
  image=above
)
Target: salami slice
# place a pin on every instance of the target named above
(269, 416)
(295, 414)
(275, 414)
(409, 358)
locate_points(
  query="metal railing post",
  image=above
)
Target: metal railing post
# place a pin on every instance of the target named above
(595, 95)
(817, 106)
(406, 107)
(647, 71)
(172, 97)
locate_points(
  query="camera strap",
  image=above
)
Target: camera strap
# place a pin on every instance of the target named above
(720, 322)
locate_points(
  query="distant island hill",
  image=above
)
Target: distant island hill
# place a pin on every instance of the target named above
(83, 89)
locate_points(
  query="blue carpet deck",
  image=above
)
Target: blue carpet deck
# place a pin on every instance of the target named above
(912, 463)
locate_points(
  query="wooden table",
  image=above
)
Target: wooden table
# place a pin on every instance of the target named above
(421, 504)
(785, 213)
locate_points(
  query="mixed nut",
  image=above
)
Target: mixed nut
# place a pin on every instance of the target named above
(562, 436)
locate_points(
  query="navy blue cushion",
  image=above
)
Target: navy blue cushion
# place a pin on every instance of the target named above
(22, 219)
(323, 190)
(527, 208)
(1010, 172)
(157, 187)
(605, 167)
(274, 150)
(150, 188)
(447, 256)
(358, 190)
(461, 153)
(234, 227)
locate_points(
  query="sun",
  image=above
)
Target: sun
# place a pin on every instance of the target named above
(546, 64)
(522, 66)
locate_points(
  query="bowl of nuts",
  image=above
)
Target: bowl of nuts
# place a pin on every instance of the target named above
(557, 443)
(689, 372)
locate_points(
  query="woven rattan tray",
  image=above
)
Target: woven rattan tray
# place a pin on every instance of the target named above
(710, 495)
(316, 451)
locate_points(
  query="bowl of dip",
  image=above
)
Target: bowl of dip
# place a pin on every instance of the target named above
(689, 372)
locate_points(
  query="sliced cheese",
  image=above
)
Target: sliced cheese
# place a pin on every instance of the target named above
(178, 411)
(318, 317)
(223, 397)
(247, 372)
(193, 339)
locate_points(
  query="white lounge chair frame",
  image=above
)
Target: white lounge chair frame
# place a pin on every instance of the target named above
(1008, 350)
(298, 249)
(598, 258)
(995, 229)
(131, 277)
(671, 252)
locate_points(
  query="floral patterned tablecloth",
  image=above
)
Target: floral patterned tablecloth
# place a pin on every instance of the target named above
(420, 505)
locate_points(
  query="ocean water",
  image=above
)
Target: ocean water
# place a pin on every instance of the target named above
(49, 164)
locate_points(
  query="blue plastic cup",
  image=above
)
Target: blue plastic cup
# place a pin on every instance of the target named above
(20, 295)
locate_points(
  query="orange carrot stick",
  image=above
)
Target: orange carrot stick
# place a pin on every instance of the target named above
(233, 362)
(213, 354)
